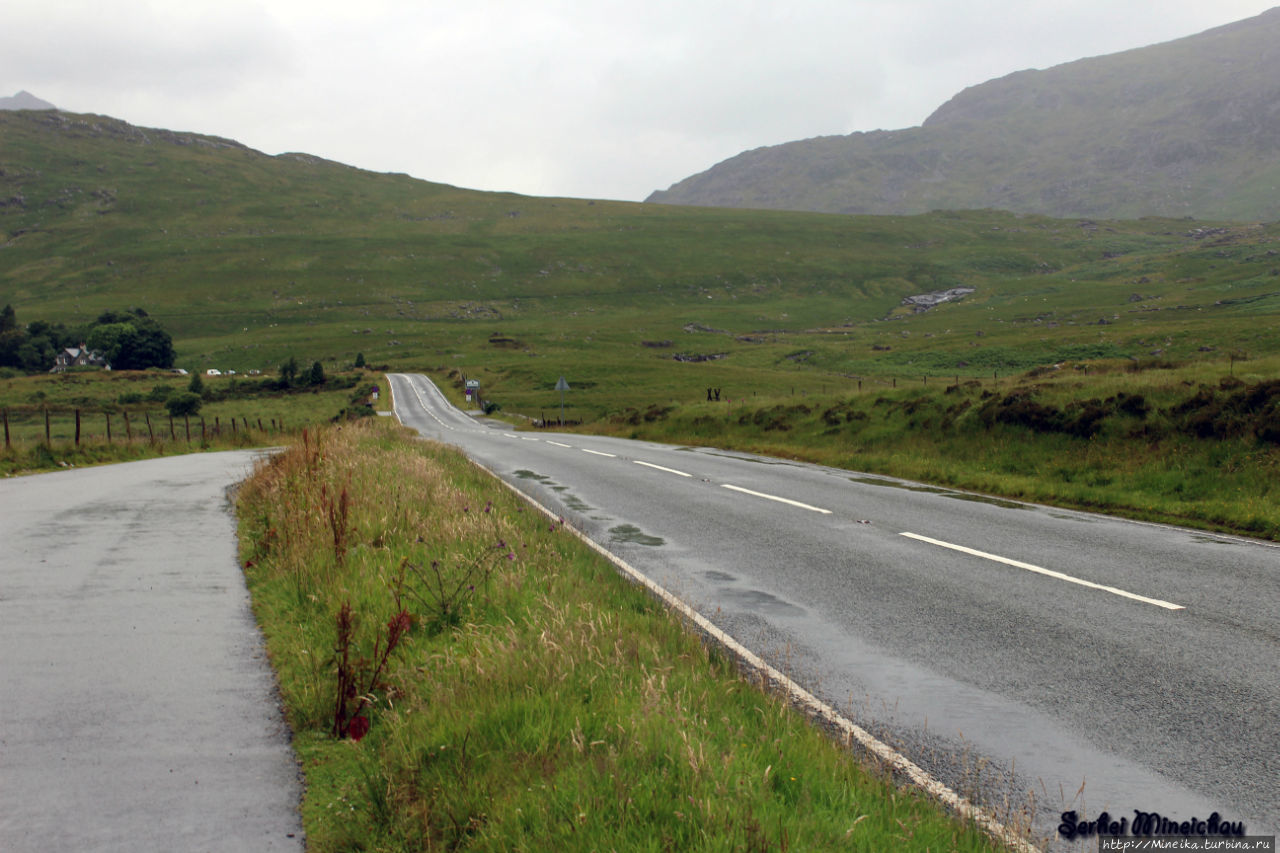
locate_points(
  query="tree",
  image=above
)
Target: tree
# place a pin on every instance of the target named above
(316, 377)
(11, 338)
(289, 371)
(131, 341)
(183, 403)
(360, 359)
(196, 385)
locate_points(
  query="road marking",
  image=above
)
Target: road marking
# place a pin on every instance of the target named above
(600, 453)
(660, 468)
(558, 444)
(526, 438)
(1047, 572)
(510, 435)
(776, 498)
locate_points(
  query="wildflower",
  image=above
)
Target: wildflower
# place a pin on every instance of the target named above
(358, 728)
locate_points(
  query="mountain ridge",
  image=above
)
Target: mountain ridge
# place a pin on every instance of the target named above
(24, 100)
(1183, 128)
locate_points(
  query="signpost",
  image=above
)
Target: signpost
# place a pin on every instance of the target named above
(473, 391)
(562, 386)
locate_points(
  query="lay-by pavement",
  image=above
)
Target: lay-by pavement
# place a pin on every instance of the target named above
(139, 712)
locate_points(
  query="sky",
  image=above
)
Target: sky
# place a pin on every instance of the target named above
(582, 98)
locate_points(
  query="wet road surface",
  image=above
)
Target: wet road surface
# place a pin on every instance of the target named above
(139, 710)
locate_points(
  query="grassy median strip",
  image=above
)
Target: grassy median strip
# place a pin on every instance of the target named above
(461, 673)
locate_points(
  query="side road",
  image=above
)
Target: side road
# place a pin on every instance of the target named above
(139, 710)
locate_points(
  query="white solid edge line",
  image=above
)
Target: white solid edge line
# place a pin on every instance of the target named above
(600, 453)
(1167, 605)
(558, 444)
(776, 498)
(660, 468)
(851, 730)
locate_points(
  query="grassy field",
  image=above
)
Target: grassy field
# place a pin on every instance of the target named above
(461, 673)
(122, 415)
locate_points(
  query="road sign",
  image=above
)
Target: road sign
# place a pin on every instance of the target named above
(473, 383)
(562, 386)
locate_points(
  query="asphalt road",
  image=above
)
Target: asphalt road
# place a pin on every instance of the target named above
(1010, 649)
(138, 709)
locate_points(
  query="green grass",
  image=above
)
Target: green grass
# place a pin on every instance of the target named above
(551, 706)
(123, 417)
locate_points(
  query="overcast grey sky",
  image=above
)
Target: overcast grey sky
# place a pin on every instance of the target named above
(588, 98)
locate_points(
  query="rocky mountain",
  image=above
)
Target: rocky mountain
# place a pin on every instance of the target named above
(1185, 128)
(24, 100)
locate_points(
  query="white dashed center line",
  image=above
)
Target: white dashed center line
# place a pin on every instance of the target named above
(660, 468)
(768, 497)
(558, 444)
(600, 453)
(1046, 572)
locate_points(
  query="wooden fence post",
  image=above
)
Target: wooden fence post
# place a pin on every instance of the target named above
(108, 414)
(7, 445)
(46, 426)
(150, 432)
(77, 427)
(172, 435)
(186, 421)
(128, 430)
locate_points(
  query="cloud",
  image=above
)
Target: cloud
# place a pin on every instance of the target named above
(84, 54)
(562, 97)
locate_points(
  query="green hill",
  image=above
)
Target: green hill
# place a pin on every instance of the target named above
(249, 259)
(1185, 128)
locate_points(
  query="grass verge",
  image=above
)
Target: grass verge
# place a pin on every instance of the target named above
(461, 674)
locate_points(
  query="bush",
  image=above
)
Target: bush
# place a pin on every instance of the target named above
(183, 403)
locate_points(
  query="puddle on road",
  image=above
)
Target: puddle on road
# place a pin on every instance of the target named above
(751, 459)
(723, 577)
(872, 481)
(575, 503)
(983, 499)
(946, 493)
(762, 602)
(1209, 540)
(632, 534)
(571, 500)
